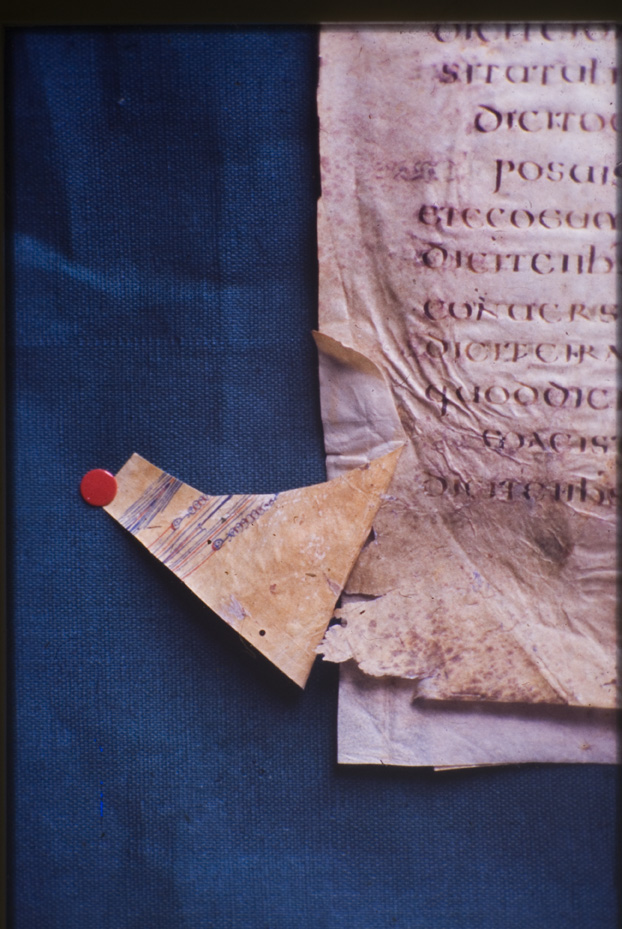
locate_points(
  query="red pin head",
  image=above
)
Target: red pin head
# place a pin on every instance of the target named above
(98, 487)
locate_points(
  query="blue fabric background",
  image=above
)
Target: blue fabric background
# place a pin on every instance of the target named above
(162, 194)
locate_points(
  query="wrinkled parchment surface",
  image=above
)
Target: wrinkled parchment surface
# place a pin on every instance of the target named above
(468, 194)
(271, 565)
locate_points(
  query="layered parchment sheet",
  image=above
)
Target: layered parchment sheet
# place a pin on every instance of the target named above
(467, 233)
(379, 723)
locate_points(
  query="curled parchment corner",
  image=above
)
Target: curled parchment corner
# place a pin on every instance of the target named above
(271, 565)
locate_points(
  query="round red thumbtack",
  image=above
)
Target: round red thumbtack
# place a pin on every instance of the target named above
(98, 487)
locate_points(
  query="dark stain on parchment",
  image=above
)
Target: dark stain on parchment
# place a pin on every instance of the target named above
(552, 534)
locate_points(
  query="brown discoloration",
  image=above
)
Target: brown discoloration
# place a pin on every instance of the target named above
(552, 534)
(553, 547)
(471, 661)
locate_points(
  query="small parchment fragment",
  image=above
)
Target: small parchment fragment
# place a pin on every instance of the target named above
(468, 251)
(271, 565)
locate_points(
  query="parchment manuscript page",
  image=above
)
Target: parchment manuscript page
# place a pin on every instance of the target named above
(467, 247)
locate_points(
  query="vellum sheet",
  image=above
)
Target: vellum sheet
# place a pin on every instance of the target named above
(467, 248)
(271, 565)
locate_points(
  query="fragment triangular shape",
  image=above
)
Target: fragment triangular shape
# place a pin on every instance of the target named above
(271, 565)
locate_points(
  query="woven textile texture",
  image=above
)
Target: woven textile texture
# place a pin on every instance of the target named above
(162, 288)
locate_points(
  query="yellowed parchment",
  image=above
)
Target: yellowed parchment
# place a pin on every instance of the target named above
(467, 247)
(271, 565)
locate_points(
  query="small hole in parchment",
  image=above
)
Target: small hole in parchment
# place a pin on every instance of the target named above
(344, 623)
(262, 632)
